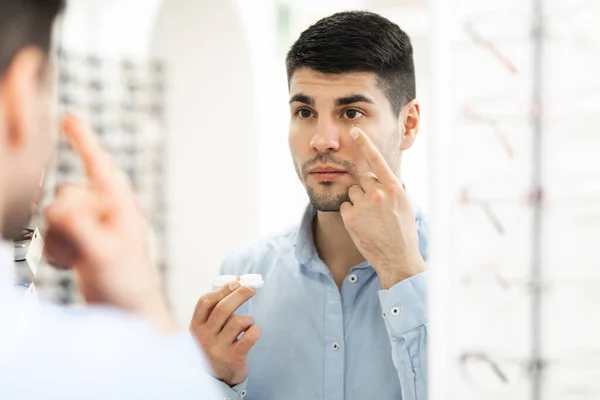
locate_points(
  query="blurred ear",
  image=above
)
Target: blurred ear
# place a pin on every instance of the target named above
(410, 118)
(19, 96)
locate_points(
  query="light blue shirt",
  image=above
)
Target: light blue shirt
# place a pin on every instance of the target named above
(321, 343)
(93, 353)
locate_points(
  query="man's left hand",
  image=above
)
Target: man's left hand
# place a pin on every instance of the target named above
(380, 219)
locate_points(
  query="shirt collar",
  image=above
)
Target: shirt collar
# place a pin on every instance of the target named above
(304, 246)
(305, 250)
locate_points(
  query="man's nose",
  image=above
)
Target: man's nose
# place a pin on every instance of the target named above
(327, 136)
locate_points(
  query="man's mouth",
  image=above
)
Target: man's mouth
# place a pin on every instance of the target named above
(326, 174)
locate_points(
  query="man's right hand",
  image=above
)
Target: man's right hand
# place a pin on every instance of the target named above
(98, 229)
(217, 329)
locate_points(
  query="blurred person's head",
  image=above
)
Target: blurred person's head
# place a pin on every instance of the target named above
(351, 68)
(26, 137)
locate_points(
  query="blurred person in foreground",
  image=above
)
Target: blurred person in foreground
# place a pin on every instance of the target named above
(125, 345)
(343, 311)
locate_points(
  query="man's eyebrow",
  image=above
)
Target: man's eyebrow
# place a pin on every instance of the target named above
(302, 98)
(354, 98)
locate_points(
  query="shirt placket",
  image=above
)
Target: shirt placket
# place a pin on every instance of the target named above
(334, 343)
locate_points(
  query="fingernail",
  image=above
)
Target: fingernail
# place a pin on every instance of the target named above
(234, 285)
(67, 122)
(354, 132)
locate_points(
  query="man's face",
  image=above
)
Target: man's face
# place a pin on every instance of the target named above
(323, 108)
(26, 136)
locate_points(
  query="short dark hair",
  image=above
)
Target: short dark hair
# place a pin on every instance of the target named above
(359, 41)
(25, 23)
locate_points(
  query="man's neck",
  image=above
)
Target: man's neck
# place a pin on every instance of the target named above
(334, 245)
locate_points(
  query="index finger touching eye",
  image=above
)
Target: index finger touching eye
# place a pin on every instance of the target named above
(373, 156)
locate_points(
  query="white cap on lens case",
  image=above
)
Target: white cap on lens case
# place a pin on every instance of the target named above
(250, 280)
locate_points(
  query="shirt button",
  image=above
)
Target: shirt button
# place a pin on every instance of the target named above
(335, 346)
(353, 278)
(243, 393)
(396, 310)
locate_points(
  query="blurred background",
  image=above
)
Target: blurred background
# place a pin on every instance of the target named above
(191, 98)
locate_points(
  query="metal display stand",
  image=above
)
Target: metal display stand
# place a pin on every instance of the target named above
(123, 101)
(524, 184)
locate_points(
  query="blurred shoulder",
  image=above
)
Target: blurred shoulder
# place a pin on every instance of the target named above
(131, 357)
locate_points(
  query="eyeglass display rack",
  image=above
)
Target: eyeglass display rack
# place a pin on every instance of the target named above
(525, 91)
(123, 101)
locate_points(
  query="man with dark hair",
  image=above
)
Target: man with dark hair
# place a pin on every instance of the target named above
(343, 311)
(124, 345)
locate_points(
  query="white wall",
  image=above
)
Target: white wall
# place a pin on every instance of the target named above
(212, 141)
(105, 27)
(212, 129)
(282, 198)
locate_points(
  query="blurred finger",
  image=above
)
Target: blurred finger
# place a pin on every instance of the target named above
(73, 216)
(96, 161)
(66, 186)
(59, 251)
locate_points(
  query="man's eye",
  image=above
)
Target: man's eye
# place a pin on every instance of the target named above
(304, 113)
(352, 114)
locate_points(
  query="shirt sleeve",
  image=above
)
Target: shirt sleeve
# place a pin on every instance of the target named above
(232, 392)
(404, 308)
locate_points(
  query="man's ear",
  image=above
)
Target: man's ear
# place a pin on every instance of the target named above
(410, 118)
(19, 91)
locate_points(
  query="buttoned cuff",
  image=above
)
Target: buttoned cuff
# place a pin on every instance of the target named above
(236, 392)
(404, 305)
(229, 393)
